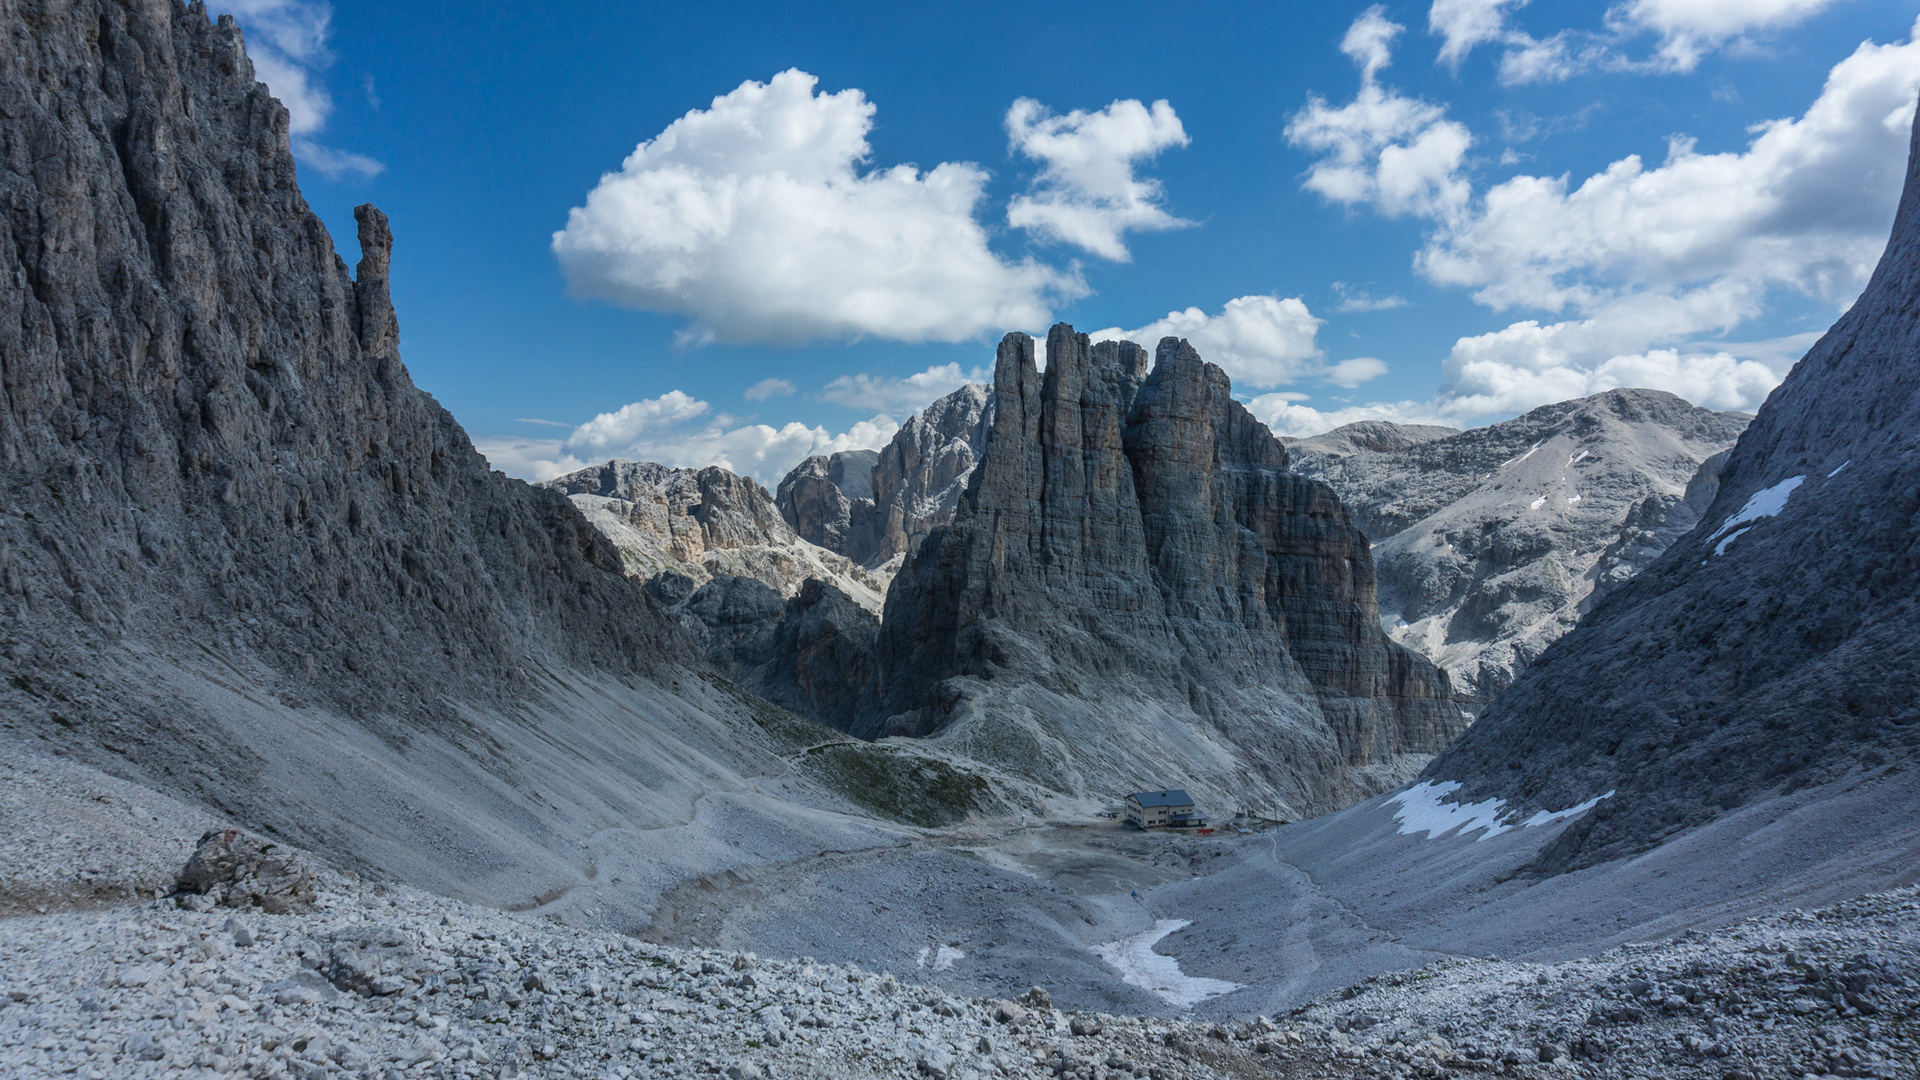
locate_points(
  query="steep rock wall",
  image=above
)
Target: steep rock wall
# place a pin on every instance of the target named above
(1774, 646)
(1131, 550)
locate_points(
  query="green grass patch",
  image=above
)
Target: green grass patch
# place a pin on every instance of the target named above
(904, 787)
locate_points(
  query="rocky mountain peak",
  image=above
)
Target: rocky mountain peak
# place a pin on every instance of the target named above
(1135, 586)
(1774, 645)
(1490, 542)
(875, 507)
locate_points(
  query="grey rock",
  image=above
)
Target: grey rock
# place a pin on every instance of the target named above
(1489, 543)
(921, 474)
(828, 500)
(1772, 647)
(698, 523)
(877, 508)
(208, 435)
(237, 869)
(813, 653)
(1135, 591)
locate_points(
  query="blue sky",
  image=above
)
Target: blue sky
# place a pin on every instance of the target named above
(1426, 212)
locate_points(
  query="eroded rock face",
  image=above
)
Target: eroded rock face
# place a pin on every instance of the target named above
(1134, 588)
(706, 522)
(1772, 647)
(1489, 542)
(207, 437)
(875, 508)
(828, 500)
(920, 476)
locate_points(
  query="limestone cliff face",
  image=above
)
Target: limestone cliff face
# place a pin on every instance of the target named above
(1134, 589)
(828, 500)
(875, 508)
(1774, 647)
(920, 475)
(1490, 542)
(206, 432)
(706, 522)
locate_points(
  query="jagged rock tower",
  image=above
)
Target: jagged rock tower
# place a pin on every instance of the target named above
(1136, 591)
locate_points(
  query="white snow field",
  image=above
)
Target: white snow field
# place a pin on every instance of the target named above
(1133, 957)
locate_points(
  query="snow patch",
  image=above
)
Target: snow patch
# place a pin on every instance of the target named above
(1421, 810)
(1764, 504)
(939, 961)
(1522, 457)
(1843, 465)
(1578, 458)
(1537, 503)
(1572, 499)
(1721, 547)
(1548, 817)
(1133, 957)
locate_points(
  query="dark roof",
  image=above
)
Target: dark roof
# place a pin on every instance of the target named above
(1161, 798)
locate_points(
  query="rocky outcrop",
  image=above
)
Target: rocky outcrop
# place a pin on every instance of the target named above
(876, 508)
(233, 869)
(1489, 542)
(813, 652)
(1772, 648)
(920, 476)
(828, 500)
(1135, 590)
(706, 522)
(207, 431)
(245, 562)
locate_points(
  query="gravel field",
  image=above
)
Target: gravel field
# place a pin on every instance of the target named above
(380, 982)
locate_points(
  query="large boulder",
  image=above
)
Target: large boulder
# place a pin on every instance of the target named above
(230, 868)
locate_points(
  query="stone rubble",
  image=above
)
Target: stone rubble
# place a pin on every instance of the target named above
(381, 983)
(1831, 992)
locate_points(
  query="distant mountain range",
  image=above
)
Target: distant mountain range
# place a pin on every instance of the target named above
(1490, 542)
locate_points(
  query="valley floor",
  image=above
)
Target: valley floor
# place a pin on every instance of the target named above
(384, 983)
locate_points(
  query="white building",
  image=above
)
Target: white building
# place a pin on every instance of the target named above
(1152, 809)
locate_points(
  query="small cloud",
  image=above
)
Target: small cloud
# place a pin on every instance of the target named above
(537, 420)
(1351, 373)
(1260, 341)
(373, 96)
(768, 388)
(1508, 157)
(679, 430)
(334, 164)
(1353, 299)
(1086, 194)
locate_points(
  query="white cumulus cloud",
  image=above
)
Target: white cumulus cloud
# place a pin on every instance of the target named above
(1643, 267)
(1259, 341)
(1087, 194)
(1689, 29)
(680, 430)
(287, 42)
(1285, 414)
(755, 218)
(1527, 364)
(911, 394)
(1397, 154)
(1806, 205)
(1463, 24)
